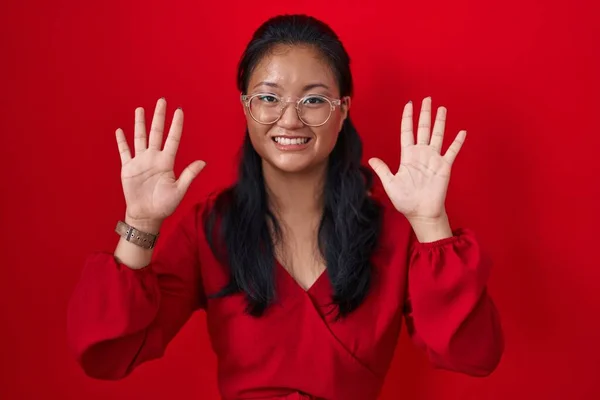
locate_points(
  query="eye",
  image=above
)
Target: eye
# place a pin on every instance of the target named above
(313, 100)
(267, 98)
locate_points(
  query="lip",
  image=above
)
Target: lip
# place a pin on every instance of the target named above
(292, 147)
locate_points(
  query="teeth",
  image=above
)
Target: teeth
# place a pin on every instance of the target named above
(287, 141)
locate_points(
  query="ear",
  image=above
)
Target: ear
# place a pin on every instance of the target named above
(345, 106)
(344, 109)
(244, 108)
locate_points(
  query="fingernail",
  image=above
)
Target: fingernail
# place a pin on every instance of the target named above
(162, 98)
(410, 102)
(180, 108)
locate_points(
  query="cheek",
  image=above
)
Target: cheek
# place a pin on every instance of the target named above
(336, 121)
(334, 127)
(258, 136)
(327, 137)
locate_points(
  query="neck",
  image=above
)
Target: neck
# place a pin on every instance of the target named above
(295, 193)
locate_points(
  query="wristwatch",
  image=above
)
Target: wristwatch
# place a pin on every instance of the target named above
(135, 236)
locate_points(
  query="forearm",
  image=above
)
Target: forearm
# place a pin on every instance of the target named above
(451, 312)
(112, 334)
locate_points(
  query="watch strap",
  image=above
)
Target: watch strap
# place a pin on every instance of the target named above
(135, 236)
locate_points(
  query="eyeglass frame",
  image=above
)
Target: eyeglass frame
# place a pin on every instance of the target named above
(247, 98)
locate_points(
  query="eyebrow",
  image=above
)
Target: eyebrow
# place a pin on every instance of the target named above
(305, 88)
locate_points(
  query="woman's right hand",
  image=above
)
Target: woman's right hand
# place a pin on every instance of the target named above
(151, 190)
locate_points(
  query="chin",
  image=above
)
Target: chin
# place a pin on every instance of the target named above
(294, 164)
(292, 167)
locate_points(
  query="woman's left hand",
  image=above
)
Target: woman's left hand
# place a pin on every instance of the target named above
(418, 190)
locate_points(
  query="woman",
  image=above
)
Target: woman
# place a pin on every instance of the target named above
(304, 270)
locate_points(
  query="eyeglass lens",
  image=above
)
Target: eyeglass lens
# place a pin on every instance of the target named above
(312, 110)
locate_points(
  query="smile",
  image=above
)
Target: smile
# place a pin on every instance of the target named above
(288, 142)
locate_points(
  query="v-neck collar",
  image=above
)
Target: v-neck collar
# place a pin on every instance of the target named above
(321, 280)
(318, 295)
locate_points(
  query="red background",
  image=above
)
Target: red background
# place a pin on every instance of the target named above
(521, 77)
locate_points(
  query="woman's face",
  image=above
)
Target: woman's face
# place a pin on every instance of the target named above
(291, 73)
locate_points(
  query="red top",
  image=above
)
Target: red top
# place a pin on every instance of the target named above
(119, 317)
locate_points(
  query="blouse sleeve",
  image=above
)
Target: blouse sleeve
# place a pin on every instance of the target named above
(449, 312)
(119, 317)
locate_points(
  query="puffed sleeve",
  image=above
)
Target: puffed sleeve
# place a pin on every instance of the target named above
(119, 317)
(449, 311)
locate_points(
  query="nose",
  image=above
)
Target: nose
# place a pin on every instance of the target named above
(289, 119)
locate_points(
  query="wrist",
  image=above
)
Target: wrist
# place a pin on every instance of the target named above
(431, 229)
(145, 225)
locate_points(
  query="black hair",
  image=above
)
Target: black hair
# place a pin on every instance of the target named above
(241, 228)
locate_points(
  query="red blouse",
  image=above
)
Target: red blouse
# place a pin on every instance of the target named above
(119, 318)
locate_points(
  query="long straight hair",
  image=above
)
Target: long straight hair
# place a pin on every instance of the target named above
(241, 228)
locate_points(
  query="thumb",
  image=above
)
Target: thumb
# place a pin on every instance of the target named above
(189, 173)
(382, 170)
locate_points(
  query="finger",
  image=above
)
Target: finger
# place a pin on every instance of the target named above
(437, 136)
(407, 137)
(455, 147)
(188, 175)
(424, 127)
(382, 170)
(139, 131)
(174, 137)
(158, 125)
(123, 147)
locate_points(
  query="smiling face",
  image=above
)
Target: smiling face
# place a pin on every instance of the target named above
(289, 144)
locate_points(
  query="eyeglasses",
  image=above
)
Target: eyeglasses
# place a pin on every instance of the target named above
(267, 108)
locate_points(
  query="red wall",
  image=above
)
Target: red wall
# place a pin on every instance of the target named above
(520, 76)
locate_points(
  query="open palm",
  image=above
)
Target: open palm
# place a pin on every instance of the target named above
(152, 191)
(418, 189)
